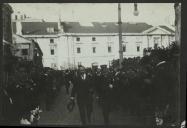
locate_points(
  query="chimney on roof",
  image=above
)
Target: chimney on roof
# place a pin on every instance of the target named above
(60, 27)
(19, 16)
(18, 27)
(18, 19)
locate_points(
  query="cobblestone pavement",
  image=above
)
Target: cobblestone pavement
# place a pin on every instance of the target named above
(59, 114)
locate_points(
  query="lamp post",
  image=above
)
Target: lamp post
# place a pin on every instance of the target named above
(136, 13)
(180, 115)
(120, 36)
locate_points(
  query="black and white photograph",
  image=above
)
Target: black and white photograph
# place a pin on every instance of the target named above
(91, 64)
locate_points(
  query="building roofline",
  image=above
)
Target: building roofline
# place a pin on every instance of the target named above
(91, 34)
(157, 27)
(109, 34)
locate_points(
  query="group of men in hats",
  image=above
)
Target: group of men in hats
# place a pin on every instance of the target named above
(115, 89)
(89, 84)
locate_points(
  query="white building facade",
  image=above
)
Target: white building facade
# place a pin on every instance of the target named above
(79, 49)
(69, 44)
(49, 46)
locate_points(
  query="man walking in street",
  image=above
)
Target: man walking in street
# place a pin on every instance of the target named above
(67, 81)
(82, 89)
(104, 88)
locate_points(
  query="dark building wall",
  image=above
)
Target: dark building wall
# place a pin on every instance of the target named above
(7, 38)
(37, 55)
(7, 27)
(1, 68)
(6, 35)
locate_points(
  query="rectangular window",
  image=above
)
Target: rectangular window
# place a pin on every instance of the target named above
(109, 49)
(93, 39)
(94, 49)
(50, 29)
(77, 39)
(156, 40)
(51, 40)
(155, 45)
(138, 48)
(16, 17)
(124, 48)
(52, 51)
(78, 50)
(24, 51)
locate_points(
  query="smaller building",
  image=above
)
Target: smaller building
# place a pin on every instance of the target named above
(28, 50)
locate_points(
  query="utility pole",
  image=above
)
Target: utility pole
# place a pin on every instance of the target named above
(177, 8)
(120, 36)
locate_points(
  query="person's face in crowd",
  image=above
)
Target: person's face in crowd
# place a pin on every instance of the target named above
(98, 71)
(105, 73)
(82, 71)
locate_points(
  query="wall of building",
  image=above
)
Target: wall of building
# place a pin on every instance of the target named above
(7, 36)
(69, 58)
(7, 27)
(44, 42)
(65, 47)
(132, 43)
(164, 38)
(86, 57)
(101, 55)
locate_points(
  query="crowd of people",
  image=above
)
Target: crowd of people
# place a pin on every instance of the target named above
(139, 92)
(144, 86)
(27, 89)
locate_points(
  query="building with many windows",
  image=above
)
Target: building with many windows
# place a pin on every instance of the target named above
(69, 44)
(98, 44)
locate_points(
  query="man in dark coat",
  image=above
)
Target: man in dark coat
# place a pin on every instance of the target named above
(48, 90)
(82, 89)
(105, 92)
(67, 81)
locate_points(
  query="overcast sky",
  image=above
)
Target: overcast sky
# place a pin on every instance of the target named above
(151, 13)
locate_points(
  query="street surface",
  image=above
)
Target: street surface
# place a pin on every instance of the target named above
(59, 115)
